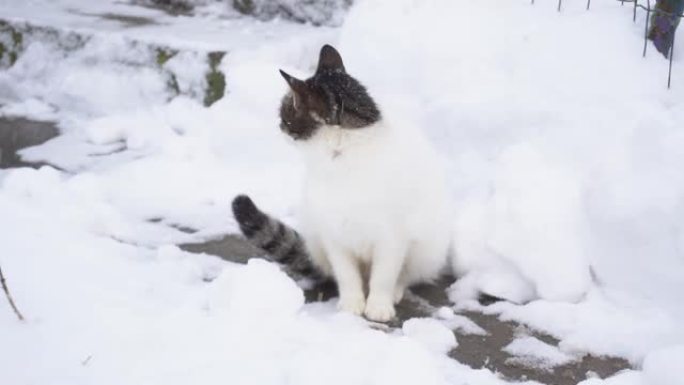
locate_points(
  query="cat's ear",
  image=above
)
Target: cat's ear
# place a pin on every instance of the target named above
(298, 87)
(330, 60)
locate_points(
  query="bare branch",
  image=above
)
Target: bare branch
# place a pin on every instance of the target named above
(9, 296)
(87, 360)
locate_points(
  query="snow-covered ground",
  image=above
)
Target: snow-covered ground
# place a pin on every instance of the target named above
(564, 149)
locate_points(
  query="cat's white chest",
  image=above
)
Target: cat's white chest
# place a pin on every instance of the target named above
(332, 143)
(353, 184)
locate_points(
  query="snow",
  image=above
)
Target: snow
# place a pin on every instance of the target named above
(458, 322)
(600, 324)
(246, 294)
(431, 333)
(130, 316)
(661, 365)
(627, 377)
(564, 157)
(100, 310)
(536, 353)
(546, 160)
(322, 12)
(563, 145)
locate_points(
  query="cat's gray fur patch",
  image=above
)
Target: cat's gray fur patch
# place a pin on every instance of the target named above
(331, 94)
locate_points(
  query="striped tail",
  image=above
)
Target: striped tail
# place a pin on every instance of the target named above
(281, 242)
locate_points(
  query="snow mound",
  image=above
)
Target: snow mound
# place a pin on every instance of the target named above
(551, 172)
(661, 366)
(534, 225)
(431, 333)
(259, 290)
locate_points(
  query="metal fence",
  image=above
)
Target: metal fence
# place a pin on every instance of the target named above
(639, 5)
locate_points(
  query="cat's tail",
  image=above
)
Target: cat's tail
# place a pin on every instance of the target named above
(281, 242)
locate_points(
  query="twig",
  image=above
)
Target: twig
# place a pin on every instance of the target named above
(9, 296)
(87, 360)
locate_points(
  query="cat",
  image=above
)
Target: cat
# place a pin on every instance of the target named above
(375, 209)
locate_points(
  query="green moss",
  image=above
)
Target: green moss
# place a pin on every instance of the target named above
(172, 83)
(13, 48)
(216, 86)
(17, 38)
(215, 59)
(164, 55)
(216, 80)
(244, 6)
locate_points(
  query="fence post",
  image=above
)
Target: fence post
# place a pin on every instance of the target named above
(669, 71)
(648, 18)
(634, 14)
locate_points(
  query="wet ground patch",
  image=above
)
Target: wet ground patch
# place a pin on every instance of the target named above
(19, 133)
(487, 351)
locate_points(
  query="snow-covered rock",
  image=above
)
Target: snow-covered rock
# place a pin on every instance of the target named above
(316, 12)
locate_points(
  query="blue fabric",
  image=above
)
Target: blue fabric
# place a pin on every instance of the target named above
(664, 23)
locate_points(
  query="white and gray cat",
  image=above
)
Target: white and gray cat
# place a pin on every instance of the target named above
(375, 209)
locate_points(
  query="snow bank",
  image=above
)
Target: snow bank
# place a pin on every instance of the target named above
(102, 310)
(661, 366)
(564, 155)
(534, 218)
(115, 73)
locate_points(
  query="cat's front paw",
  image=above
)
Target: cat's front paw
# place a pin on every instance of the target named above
(379, 309)
(398, 294)
(352, 304)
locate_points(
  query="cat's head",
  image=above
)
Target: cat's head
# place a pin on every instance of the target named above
(330, 97)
